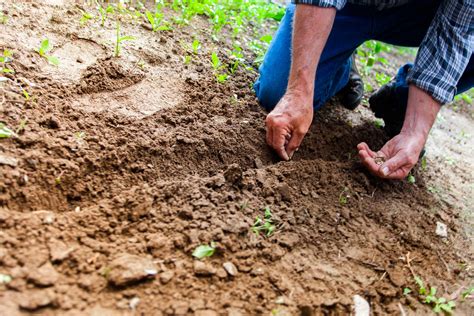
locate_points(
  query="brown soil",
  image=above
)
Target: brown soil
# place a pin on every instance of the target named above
(120, 162)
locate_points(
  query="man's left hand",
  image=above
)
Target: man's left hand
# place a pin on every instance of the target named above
(398, 156)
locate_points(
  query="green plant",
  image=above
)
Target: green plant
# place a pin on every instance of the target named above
(104, 13)
(379, 123)
(344, 197)
(119, 39)
(196, 45)
(85, 18)
(3, 18)
(5, 132)
(411, 179)
(5, 58)
(439, 304)
(204, 250)
(156, 21)
(21, 127)
(186, 59)
(424, 163)
(43, 50)
(264, 224)
(221, 76)
(467, 292)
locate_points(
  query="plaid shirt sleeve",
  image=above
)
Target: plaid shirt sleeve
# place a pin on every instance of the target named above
(338, 4)
(445, 50)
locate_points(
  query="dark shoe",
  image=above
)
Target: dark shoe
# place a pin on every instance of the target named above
(351, 95)
(390, 106)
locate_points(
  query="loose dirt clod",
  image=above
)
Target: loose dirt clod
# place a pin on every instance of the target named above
(46, 275)
(127, 268)
(203, 269)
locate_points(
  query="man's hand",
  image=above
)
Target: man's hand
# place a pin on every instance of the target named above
(401, 153)
(396, 158)
(288, 123)
(291, 118)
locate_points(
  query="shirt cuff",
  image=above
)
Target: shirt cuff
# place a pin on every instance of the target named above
(433, 84)
(338, 4)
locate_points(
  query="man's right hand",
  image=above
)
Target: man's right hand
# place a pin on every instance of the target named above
(288, 123)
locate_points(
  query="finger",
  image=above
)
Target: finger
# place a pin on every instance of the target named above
(366, 148)
(269, 135)
(278, 142)
(397, 166)
(369, 162)
(294, 143)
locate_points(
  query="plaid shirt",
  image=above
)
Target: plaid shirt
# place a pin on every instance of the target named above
(444, 52)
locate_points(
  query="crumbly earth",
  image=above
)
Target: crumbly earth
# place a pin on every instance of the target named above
(127, 164)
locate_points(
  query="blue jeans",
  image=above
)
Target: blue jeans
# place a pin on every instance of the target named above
(405, 26)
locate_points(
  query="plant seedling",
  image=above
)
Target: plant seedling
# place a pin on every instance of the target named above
(411, 179)
(43, 50)
(104, 12)
(6, 57)
(203, 251)
(218, 67)
(3, 18)
(264, 224)
(439, 304)
(119, 40)
(85, 18)
(467, 292)
(5, 132)
(156, 21)
(186, 59)
(196, 45)
(379, 123)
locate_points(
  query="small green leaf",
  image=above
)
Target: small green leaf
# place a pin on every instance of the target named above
(215, 60)
(44, 47)
(406, 291)
(411, 179)
(266, 38)
(126, 38)
(5, 132)
(53, 60)
(204, 251)
(467, 292)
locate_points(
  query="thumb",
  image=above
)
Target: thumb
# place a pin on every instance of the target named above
(392, 165)
(294, 143)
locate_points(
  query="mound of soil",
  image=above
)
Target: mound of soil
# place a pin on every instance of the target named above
(121, 173)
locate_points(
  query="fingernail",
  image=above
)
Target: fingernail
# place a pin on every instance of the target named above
(385, 171)
(291, 155)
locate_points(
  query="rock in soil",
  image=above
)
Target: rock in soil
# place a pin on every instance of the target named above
(127, 268)
(58, 250)
(441, 230)
(46, 275)
(203, 269)
(9, 161)
(37, 299)
(230, 268)
(166, 276)
(361, 306)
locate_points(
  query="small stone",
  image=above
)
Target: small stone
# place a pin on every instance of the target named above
(46, 275)
(203, 269)
(37, 299)
(221, 273)
(258, 163)
(230, 268)
(133, 303)
(361, 306)
(9, 161)
(257, 271)
(127, 268)
(58, 250)
(166, 276)
(441, 230)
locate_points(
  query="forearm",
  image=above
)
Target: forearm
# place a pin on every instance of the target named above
(421, 112)
(311, 29)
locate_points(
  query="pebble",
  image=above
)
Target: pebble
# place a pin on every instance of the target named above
(230, 268)
(9, 161)
(441, 230)
(257, 272)
(203, 269)
(127, 268)
(46, 275)
(37, 299)
(133, 303)
(166, 276)
(361, 306)
(58, 250)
